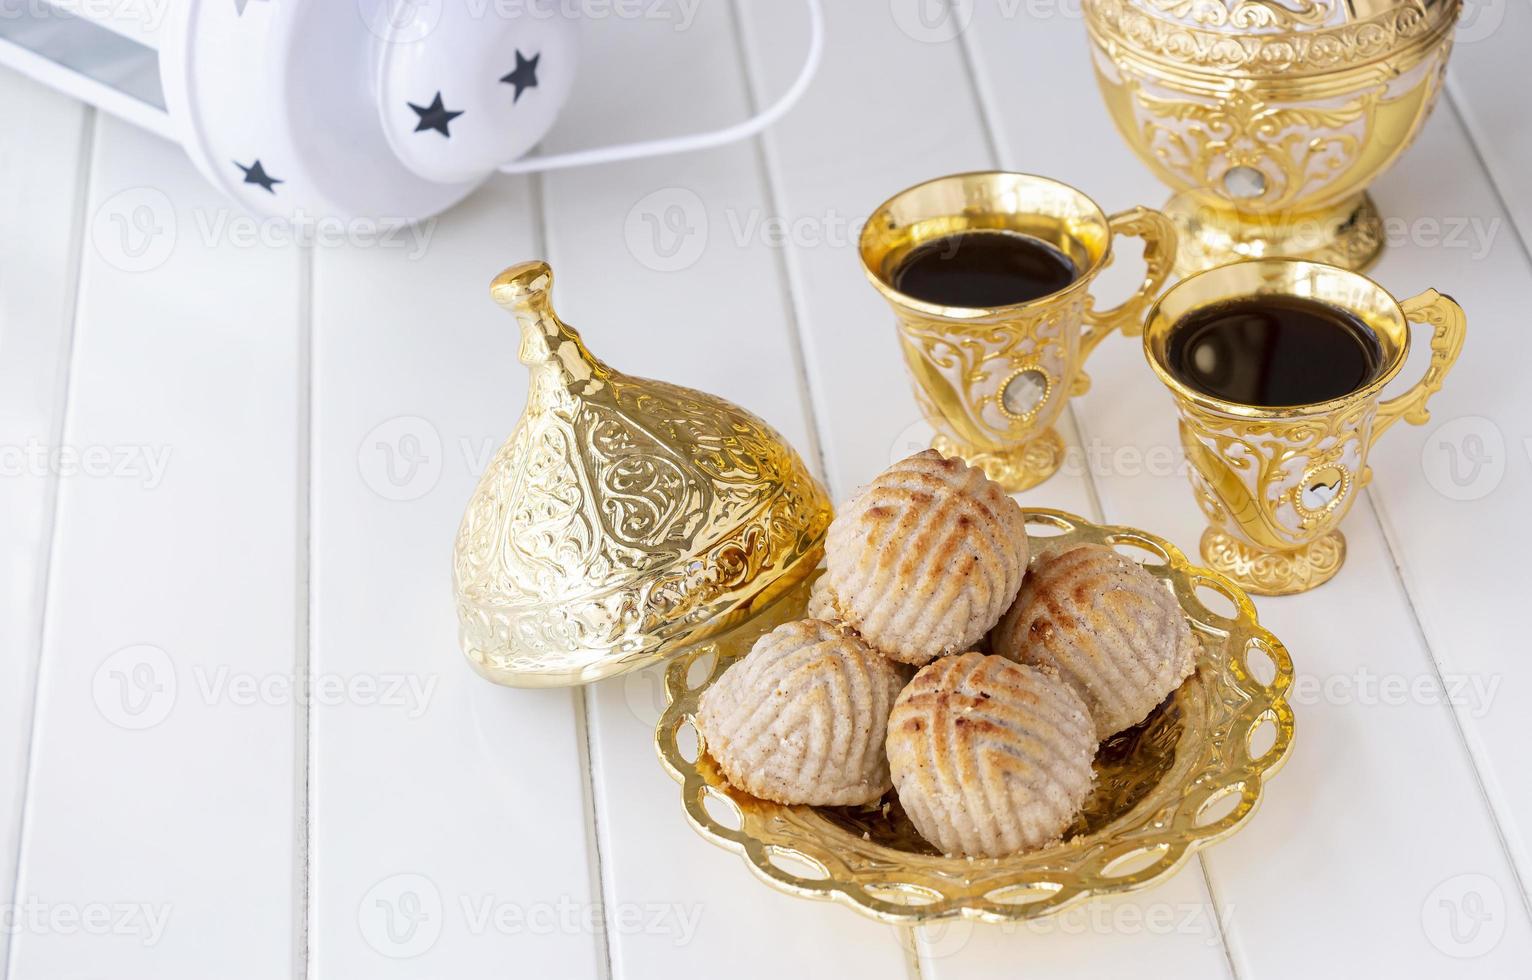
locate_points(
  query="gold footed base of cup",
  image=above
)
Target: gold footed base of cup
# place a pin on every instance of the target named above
(1274, 572)
(1349, 235)
(1016, 469)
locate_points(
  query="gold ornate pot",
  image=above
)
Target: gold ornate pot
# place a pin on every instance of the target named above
(1268, 118)
(625, 519)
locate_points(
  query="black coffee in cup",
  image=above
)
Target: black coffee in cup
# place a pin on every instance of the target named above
(1273, 351)
(983, 268)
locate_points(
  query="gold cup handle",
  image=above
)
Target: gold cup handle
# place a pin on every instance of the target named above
(1447, 317)
(1159, 237)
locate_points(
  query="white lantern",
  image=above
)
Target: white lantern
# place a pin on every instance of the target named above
(388, 109)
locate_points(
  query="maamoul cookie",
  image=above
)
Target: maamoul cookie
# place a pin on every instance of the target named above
(1109, 628)
(990, 757)
(802, 718)
(926, 557)
(822, 601)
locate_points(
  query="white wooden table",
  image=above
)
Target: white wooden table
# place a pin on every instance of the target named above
(232, 464)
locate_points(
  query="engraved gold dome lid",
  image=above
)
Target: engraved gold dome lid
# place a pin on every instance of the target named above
(1271, 37)
(624, 519)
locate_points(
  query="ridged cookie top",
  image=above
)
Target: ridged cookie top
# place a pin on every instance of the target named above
(1109, 628)
(802, 718)
(990, 757)
(821, 604)
(926, 557)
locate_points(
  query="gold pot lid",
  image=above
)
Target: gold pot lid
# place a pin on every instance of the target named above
(1271, 37)
(624, 519)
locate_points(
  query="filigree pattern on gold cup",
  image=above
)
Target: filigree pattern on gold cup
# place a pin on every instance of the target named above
(1190, 775)
(1275, 483)
(992, 381)
(1270, 120)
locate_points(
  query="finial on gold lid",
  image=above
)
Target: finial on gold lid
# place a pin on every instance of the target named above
(526, 290)
(624, 519)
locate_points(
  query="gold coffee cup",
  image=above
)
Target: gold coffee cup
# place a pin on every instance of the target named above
(993, 380)
(1275, 483)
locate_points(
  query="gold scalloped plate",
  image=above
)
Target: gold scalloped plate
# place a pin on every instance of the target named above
(1190, 775)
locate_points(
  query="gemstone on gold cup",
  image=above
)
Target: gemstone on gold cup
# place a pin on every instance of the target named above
(989, 276)
(1269, 120)
(1275, 479)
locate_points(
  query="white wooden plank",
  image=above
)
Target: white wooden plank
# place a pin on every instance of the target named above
(701, 307)
(1453, 493)
(158, 835)
(1378, 802)
(1486, 79)
(850, 146)
(41, 169)
(448, 824)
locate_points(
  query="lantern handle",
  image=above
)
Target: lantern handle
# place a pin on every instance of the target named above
(695, 141)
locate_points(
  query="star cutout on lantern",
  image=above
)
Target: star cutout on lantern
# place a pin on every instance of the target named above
(256, 174)
(240, 5)
(525, 75)
(434, 116)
